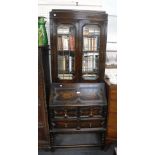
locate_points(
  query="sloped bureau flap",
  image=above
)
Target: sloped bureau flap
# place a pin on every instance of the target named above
(77, 93)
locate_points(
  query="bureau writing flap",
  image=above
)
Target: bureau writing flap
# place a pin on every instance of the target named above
(78, 93)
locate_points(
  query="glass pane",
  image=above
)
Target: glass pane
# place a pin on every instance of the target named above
(66, 51)
(90, 59)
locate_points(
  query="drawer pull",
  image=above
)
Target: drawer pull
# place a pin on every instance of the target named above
(66, 115)
(91, 114)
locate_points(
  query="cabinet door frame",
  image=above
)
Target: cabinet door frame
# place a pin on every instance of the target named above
(78, 24)
(54, 51)
(102, 47)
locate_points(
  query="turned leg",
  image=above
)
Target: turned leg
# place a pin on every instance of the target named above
(102, 140)
(52, 142)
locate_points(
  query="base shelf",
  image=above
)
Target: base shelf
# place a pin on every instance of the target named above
(80, 130)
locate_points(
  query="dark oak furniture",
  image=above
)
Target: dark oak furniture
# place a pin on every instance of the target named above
(77, 108)
(111, 136)
(78, 42)
(78, 103)
(43, 129)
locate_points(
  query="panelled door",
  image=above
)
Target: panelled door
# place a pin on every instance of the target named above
(92, 36)
(65, 50)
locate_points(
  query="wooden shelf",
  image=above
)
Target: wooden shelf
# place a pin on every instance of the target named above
(66, 72)
(91, 35)
(88, 51)
(66, 52)
(84, 73)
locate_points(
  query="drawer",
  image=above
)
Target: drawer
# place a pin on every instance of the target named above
(91, 123)
(96, 111)
(64, 124)
(77, 124)
(64, 112)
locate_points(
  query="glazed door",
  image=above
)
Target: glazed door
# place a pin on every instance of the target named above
(92, 54)
(65, 51)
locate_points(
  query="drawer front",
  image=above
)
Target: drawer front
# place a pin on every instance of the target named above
(64, 112)
(92, 124)
(96, 111)
(85, 111)
(64, 124)
(78, 124)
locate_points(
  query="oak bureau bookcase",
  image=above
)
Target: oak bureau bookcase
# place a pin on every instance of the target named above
(77, 106)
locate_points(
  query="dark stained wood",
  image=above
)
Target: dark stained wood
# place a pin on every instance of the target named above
(83, 116)
(78, 19)
(77, 105)
(46, 69)
(78, 14)
(111, 135)
(43, 131)
(77, 93)
(101, 130)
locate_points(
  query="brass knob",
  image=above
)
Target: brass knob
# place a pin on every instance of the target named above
(91, 113)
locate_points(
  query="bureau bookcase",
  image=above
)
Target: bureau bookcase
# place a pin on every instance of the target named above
(77, 105)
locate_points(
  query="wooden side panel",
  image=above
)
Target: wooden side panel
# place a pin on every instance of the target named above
(43, 133)
(111, 135)
(112, 125)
